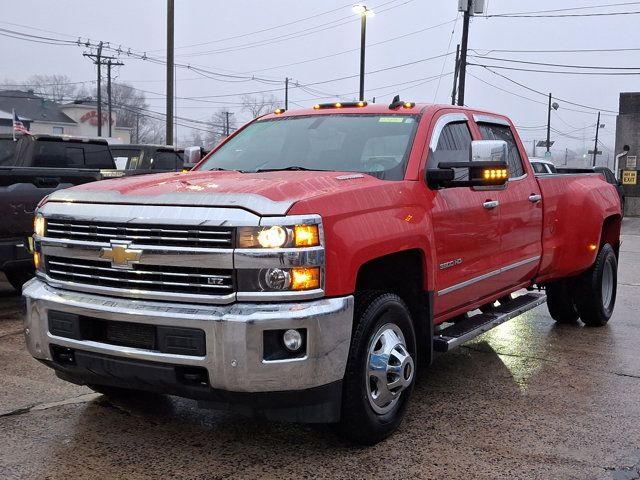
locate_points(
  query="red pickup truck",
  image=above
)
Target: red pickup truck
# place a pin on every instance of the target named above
(312, 262)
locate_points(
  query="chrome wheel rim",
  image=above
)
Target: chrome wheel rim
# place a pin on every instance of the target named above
(390, 368)
(607, 285)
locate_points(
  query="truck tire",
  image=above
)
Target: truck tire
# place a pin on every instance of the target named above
(380, 371)
(560, 302)
(19, 276)
(596, 289)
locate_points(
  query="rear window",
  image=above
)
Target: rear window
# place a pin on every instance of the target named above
(71, 155)
(7, 152)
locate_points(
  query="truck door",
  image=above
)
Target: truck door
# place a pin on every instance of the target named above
(520, 208)
(466, 223)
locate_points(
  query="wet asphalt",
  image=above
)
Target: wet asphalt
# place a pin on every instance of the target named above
(529, 399)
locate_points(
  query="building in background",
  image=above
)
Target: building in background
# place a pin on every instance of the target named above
(79, 118)
(628, 140)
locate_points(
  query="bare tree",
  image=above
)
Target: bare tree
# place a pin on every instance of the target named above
(58, 88)
(217, 126)
(152, 131)
(257, 106)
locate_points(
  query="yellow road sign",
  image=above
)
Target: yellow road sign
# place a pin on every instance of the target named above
(629, 177)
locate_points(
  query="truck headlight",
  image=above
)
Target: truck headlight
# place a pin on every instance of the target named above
(277, 236)
(39, 225)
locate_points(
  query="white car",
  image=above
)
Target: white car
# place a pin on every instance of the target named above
(542, 165)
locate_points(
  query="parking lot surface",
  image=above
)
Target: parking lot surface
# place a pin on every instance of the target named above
(529, 399)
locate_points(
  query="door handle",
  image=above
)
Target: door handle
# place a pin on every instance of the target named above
(489, 204)
(534, 197)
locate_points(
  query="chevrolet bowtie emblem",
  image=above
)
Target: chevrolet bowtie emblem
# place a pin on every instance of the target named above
(121, 255)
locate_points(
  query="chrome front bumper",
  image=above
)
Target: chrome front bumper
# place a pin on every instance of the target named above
(234, 336)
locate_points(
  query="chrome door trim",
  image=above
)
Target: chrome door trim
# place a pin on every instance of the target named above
(441, 123)
(483, 118)
(485, 276)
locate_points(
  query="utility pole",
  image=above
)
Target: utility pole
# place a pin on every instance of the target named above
(227, 128)
(286, 93)
(170, 77)
(137, 127)
(110, 63)
(363, 34)
(595, 146)
(534, 148)
(549, 125)
(99, 60)
(463, 54)
(455, 76)
(175, 105)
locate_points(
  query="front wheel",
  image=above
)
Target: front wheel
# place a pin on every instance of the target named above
(380, 369)
(596, 289)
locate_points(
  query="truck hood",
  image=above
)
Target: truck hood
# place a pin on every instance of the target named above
(266, 193)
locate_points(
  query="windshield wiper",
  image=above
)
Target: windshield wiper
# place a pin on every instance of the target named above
(292, 167)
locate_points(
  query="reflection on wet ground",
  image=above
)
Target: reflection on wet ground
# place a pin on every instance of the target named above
(529, 399)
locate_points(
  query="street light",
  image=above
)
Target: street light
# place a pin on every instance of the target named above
(555, 106)
(364, 12)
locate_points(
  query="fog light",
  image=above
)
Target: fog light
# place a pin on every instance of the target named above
(277, 279)
(292, 340)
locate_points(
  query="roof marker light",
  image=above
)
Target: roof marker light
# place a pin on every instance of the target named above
(408, 105)
(338, 105)
(278, 111)
(316, 106)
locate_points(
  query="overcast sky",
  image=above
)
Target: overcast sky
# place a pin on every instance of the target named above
(330, 29)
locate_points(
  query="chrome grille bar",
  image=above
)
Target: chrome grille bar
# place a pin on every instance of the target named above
(198, 236)
(171, 278)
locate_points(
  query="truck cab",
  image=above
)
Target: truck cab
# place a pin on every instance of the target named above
(316, 259)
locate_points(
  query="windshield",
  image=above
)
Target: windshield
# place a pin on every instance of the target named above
(375, 144)
(7, 152)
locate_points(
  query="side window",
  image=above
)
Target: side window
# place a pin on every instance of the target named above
(453, 146)
(538, 167)
(164, 161)
(492, 131)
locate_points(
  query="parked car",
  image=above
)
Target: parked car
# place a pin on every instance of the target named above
(30, 169)
(606, 172)
(157, 158)
(542, 165)
(317, 259)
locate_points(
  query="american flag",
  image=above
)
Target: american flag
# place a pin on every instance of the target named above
(18, 126)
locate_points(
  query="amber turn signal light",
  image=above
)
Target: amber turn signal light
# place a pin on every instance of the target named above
(495, 173)
(306, 236)
(37, 261)
(305, 278)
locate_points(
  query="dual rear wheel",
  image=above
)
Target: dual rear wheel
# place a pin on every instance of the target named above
(590, 296)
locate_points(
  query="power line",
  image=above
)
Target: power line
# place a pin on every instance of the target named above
(566, 16)
(579, 50)
(289, 36)
(585, 7)
(594, 67)
(557, 98)
(563, 72)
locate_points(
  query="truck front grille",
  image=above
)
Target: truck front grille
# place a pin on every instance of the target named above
(142, 234)
(155, 278)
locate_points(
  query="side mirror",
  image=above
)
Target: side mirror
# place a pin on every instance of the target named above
(192, 155)
(487, 166)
